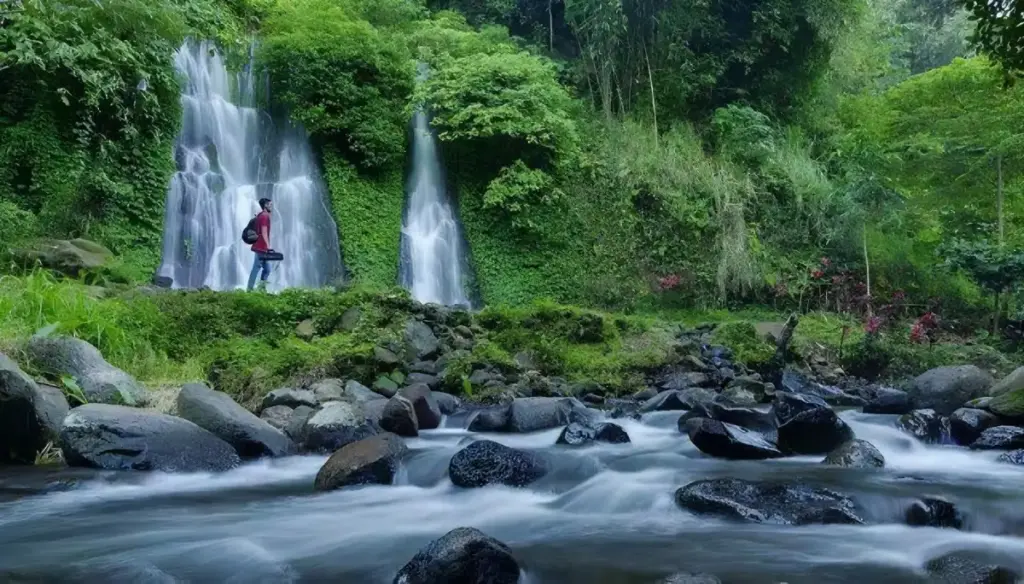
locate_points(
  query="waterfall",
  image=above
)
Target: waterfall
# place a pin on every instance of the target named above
(433, 264)
(229, 155)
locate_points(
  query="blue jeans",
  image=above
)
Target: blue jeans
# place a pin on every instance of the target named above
(259, 263)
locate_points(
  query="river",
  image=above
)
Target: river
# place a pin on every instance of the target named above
(605, 515)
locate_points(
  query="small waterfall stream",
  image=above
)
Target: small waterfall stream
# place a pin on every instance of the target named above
(433, 264)
(229, 155)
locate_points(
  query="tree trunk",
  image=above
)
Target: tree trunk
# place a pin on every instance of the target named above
(867, 267)
(551, 26)
(999, 198)
(778, 361)
(654, 102)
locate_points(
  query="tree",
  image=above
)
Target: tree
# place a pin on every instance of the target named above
(1000, 31)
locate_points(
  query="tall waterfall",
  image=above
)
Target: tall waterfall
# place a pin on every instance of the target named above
(229, 155)
(434, 264)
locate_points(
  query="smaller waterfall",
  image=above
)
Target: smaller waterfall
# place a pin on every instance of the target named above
(433, 265)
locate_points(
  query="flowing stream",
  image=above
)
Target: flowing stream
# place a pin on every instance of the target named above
(433, 263)
(229, 155)
(605, 515)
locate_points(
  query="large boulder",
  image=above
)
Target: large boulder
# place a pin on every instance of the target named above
(934, 512)
(334, 426)
(926, 425)
(292, 398)
(807, 425)
(122, 438)
(428, 412)
(1012, 382)
(217, 412)
(327, 390)
(947, 388)
(1009, 405)
(763, 502)
(1000, 438)
(30, 415)
(358, 393)
(580, 434)
(73, 258)
(399, 417)
(887, 400)
(278, 416)
(725, 440)
(100, 381)
(752, 419)
(462, 556)
(966, 424)
(855, 454)
(448, 403)
(683, 399)
(420, 341)
(485, 463)
(532, 414)
(958, 568)
(297, 424)
(371, 461)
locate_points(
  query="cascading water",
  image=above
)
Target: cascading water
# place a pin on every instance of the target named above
(434, 264)
(229, 155)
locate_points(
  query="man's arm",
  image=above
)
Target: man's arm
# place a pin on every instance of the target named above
(265, 230)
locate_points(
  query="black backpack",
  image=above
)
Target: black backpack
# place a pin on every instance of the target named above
(249, 234)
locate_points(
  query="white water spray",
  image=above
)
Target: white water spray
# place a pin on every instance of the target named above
(229, 155)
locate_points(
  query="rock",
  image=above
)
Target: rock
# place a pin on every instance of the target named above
(30, 416)
(305, 330)
(462, 556)
(297, 424)
(741, 396)
(371, 461)
(121, 438)
(385, 357)
(686, 399)
(431, 381)
(1012, 382)
(292, 398)
(425, 367)
(385, 386)
(691, 579)
(966, 424)
(350, 319)
(73, 258)
(358, 393)
(398, 377)
(934, 512)
(100, 381)
(926, 425)
(420, 341)
(1000, 438)
(787, 405)
(532, 414)
(163, 282)
(579, 434)
(428, 412)
(480, 377)
(399, 417)
(807, 425)
(278, 416)
(1009, 405)
(216, 412)
(957, 568)
(855, 454)
(645, 394)
(485, 463)
(593, 399)
(981, 403)
(334, 426)
(724, 440)
(797, 383)
(947, 388)
(684, 380)
(763, 502)
(889, 401)
(448, 403)
(1012, 457)
(327, 390)
(749, 418)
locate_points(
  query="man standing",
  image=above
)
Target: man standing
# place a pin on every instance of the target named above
(262, 246)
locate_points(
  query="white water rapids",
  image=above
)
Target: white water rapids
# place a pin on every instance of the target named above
(229, 155)
(604, 515)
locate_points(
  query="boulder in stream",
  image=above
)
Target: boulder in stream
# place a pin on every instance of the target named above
(30, 415)
(122, 438)
(723, 440)
(217, 412)
(448, 403)
(1012, 457)
(399, 417)
(489, 419)
(100, 381)
(485, 463)
(934, 512)
(532, 414)
(579, 434)
(966, 424)
(327, 390)
(462, 556)
(278, 416)
(926, 425)
(292, 398)
(1000, 438)
(764, 502)
(886, 400)
(956, 568)
(683, 399)
(428, 412)
(371, 461)
(945, 389)
(334, 426)
(807, 425)
(855, 453)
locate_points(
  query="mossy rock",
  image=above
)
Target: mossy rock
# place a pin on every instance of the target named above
(748, 347)
(1009, 405)
(74, 257)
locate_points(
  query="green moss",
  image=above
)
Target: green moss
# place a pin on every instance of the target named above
(743, 339)
(1009, 405)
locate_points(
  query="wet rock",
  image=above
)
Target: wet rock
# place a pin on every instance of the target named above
(431, 381)
(297, 424)
(100, 381)
(926, 425)
(887, 400)
(981, 403)
(787, 405)
(1012, 457)
(958, 568)
(485, 463)
(593, 399)
(327, 390)
(373, 411)
(1009, 405)
(383, 356)
(723, 440)
(967, 424)
(448, 403)
(763, 502)
(462, 556)
(399, 417)
(945, 389)
(645, 394)
(428, 412)
(490, 419)
(334, 426)
(684, 399)
(797, 383)
(1000, 438)
(1012, 382)
(123, 438)
(855, 454)
(356, 392)
(371, 461)
(807, 425)
(741, 396)
(580, 434)
(277, 416)
(691, 579)
(684, 380)
(216, 412)
(292, 398)
(532, 414)
(420, 341)
(30, 415)
(385, 386)
(425, 367)
(934, 512)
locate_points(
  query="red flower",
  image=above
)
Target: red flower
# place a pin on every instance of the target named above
(873, 324)
(817, 274)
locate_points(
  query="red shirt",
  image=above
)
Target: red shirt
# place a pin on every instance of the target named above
(262, 221)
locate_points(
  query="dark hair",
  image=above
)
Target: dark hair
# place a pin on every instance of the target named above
(263, 203)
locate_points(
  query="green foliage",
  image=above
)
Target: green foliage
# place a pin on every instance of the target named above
(747, 347)
(994, 268)
(1000, 23)
(520, 191)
